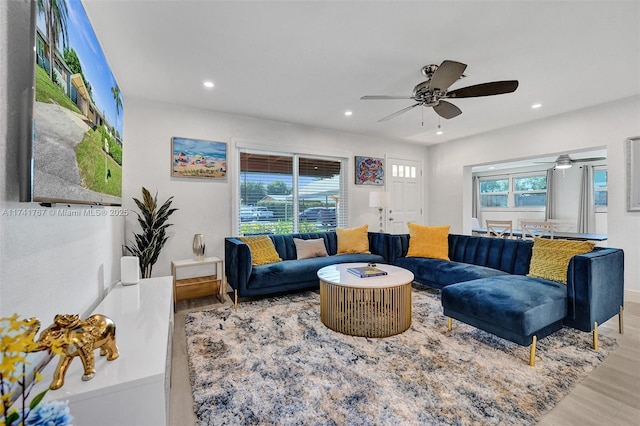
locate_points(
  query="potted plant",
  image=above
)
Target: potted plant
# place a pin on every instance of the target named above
(153, 221)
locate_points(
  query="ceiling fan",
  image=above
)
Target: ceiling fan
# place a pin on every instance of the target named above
(433, 91)
(564, 161)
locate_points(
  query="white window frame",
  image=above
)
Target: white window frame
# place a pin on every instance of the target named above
(511, 192)
(258, 149)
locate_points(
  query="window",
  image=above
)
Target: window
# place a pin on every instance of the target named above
(530, 191)
(600, 193)
(281, 193)
(494, 192)
(515, 190)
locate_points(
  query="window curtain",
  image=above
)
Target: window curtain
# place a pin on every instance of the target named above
(550, 202)
(476, 209)
(586, 211)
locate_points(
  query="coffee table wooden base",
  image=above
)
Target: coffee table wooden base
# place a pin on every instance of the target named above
(363, 311)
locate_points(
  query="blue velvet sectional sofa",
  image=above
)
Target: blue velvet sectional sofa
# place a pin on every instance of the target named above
(485, 285)
(291, 274)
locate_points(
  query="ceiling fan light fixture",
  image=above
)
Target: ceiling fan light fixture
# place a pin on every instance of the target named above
(563, 162)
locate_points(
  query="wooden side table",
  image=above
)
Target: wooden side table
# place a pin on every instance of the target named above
(199, 286)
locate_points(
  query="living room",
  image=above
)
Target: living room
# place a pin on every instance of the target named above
(58, 264)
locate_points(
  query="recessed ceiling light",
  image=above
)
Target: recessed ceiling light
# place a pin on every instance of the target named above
(208, 84)
(348, 113)
(492, 167)
(439, 132)
(536, 106)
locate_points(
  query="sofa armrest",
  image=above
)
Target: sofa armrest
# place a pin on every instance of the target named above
(595, 287)
(238, 264)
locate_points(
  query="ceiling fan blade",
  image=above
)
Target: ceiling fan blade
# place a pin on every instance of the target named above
(378, 97)
(583, 160)
(447, 73)
(397, 113)
(447, 110)
(485, 89)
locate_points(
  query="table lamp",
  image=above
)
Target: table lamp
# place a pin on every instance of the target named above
(380, 200)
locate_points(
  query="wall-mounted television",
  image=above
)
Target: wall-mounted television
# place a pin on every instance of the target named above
(77, 113)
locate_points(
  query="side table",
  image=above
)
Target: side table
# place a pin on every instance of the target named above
(199, 286)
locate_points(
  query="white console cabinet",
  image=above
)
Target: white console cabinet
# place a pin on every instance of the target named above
(133, 389)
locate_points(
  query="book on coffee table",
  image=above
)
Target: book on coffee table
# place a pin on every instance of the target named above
(366, 271)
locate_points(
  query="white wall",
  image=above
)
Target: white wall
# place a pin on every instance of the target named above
(606, 125)
(206, 206)
(52, 263)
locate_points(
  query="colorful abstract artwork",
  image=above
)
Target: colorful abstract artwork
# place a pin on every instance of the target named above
(369, 171)
(198, 159)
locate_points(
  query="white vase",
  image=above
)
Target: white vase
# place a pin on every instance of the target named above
(198, 246)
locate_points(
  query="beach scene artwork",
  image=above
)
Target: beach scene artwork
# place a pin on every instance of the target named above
(198, 158)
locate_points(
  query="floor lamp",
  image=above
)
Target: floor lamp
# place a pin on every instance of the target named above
(380, 200)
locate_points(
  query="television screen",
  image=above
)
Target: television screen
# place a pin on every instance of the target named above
(77, 138)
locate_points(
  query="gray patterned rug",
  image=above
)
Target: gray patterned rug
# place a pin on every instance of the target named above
(273, 362)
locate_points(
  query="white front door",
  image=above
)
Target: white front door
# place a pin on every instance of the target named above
(404, 179)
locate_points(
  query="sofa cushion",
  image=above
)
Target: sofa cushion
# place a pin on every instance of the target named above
(262, 250)
(353, 240)
(428, 241)
(513, 307)
(438, 273)
(306, 249)
(301, 273)
(551, 258)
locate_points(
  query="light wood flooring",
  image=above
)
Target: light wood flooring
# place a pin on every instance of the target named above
(610, 395)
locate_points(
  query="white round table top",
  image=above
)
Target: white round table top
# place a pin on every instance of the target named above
(337, 274)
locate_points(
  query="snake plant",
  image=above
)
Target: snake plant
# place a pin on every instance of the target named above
(153, 221)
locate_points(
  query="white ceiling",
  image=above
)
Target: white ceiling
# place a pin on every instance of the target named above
(307, 62)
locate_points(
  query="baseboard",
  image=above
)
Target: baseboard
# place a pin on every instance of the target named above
(632, 296)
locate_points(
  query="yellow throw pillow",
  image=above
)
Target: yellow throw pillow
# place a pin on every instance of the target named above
(306, 249)
(353, 240)
(428, 241)
(550, 258)
(262, 250)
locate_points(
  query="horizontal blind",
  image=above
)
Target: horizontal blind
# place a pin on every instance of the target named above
(281, 193)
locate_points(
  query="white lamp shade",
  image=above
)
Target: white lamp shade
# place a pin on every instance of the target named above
(379, 199)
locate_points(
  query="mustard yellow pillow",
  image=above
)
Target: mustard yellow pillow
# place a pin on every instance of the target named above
(262, 250)
(428, 241)
(353, 240)
(550, 258)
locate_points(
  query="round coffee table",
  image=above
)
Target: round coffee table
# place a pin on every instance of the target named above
(370, 307)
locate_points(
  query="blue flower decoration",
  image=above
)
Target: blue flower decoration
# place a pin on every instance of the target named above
(50, 413)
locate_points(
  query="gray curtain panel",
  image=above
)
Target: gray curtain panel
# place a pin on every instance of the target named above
(476, 209)
(586, 211)
(550, 204)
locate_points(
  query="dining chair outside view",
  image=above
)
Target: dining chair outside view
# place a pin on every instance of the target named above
(500, 228)
(533, 229)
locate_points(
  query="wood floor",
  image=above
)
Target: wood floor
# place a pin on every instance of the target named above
(610, 395)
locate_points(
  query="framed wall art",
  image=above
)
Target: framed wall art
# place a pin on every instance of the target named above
(196, 158)
(633, 174)
(369, 171)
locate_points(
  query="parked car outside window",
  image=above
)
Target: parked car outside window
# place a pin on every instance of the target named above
(246, 214)
(324, 215)
(262, 213)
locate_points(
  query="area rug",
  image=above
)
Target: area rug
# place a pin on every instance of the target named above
(273, 362)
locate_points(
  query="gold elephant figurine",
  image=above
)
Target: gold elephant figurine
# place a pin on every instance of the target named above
(69, 336)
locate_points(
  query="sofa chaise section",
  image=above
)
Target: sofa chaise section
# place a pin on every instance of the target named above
(485, 284)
